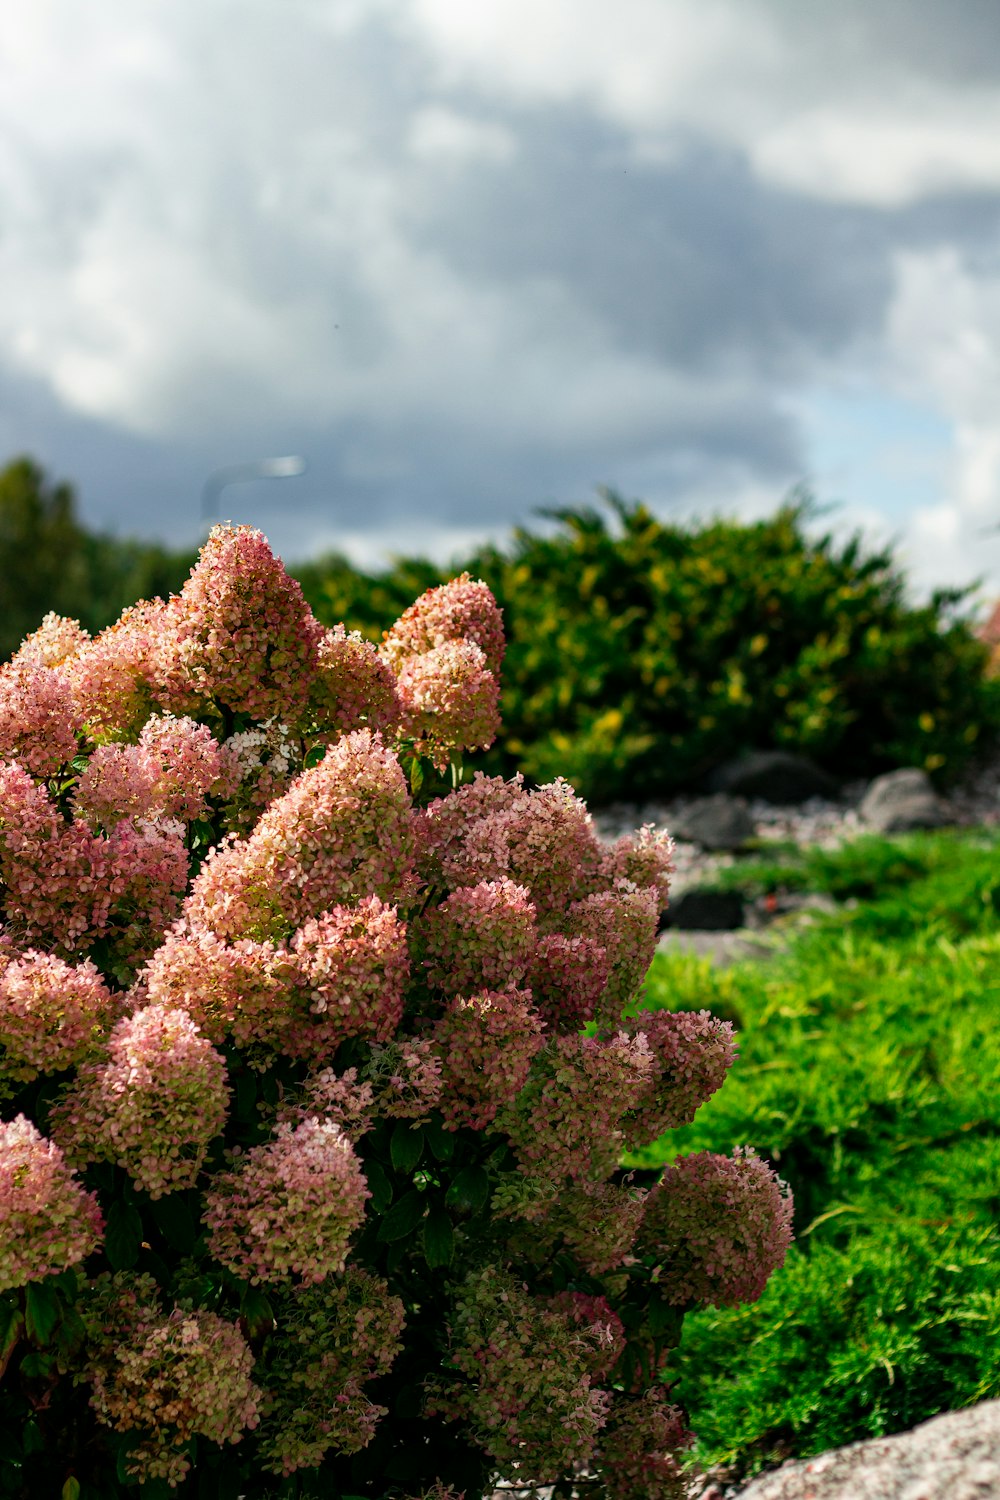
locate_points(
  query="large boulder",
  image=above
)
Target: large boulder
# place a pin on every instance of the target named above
(706, 911)
(901, 801)
(953, 1457)
(717, 822)
(777, 776)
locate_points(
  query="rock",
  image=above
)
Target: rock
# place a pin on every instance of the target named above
(902, 800)
(801, 904)
(776, 776)
(721, 948)
(718, 822)
(706, 911)
(953, 1457)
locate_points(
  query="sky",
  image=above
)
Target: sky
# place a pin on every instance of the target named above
(470, 258)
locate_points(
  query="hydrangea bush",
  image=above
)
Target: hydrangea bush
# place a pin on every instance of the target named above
(317, 1063)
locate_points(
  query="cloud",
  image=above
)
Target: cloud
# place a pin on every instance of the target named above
(474, 258)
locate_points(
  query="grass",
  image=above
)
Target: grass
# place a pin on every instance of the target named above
(869, 1075)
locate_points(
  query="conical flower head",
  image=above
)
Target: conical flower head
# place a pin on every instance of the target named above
(240, 632)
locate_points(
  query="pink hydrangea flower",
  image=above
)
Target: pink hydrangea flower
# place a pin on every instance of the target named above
(240, 989)
(718, 1225)
(239, 634)
(641, 1446)
(343, 830)
(481, 937)
(597, 1317)
(165, 1377)
(167, 774)
(486, 1045)
(405, 1078)
(54, 642)
(624, 923)
(52, 1014)
(694, 1051)
(568, 977)
(47, 1220)
(450, 701)
(289, 1207)
(565, 1122)
(353, 965)
(462, 610)
(38, 719)
(490, 828)
(110, 675)
(527, 1399)
(335, 1338)
(152, 1107)
(57, 875)
(645, 858)
(354, 686)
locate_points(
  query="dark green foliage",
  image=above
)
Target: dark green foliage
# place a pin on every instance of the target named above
(48, 561)
(869, 1075)
(641, 655)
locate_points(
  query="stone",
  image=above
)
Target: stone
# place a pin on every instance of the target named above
(777, 776)
(717, 822)
(706, 911)
(951, 1457)
(901, 801)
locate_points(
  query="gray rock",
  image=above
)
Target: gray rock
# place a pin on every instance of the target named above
(706, 911)
(953, 1457)
(776, 776)
(902, 800)
(718, 822)
(721, 948)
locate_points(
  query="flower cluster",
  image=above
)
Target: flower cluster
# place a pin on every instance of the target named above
(214, 877)
(694, 1051)
(38, 721)
(565, 1121)
(52, 1014)
(47, 1220)
(354, 685)
(353, 964)
(167, 774)
(529, 1400)
(450, 701)
(239, 635)
(288, 1207)
(152, 1107)
(334, 1338)
(641, 1448)
(462, 610)
(481, 938)
(486, 1045)
(718, 1226)
(343, 830)
(240, 989)
(168, 1377)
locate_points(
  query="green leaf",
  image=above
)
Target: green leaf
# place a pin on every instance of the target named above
(380, 1186)
(71, 1489)
(314, 756)
(416, 775)
(469, 1191)
(439, 1239)
(246, 1099)
(441, 1141)
(257, 1313)
(42, 1307)
(406, 1146)
(123, 1236)
(403, 1217)
(174, 1220)
(11, 1328)
(32, 1440)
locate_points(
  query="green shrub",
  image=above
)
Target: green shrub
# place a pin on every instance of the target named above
(869, 1074)
(641, 654)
